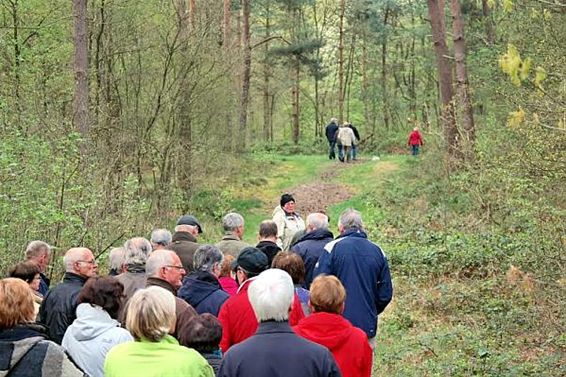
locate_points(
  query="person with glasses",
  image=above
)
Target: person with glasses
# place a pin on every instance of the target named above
(58, 308)
(165, 270)
(29, 271)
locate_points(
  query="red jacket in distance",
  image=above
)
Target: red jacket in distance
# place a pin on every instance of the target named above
(348, 344)
(238, 318)
(415, 138)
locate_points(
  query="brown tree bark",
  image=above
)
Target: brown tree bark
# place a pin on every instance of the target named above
(444, 77)
(384, 87)
(489, 27)
(462, 83)
(226, 24)
(295, 93)
(246, 72)
(341, 90)
(266, 75)
(80, 100)
(192, 13)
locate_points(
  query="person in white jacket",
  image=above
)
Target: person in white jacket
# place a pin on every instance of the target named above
(96, 330)
(347, 139)
(288, 221)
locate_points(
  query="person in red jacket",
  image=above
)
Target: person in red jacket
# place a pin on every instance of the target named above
(326, 326)
(415, 141)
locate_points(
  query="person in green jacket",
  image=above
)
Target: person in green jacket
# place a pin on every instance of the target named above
(154, 353)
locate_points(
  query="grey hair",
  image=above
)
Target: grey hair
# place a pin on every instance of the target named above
(186, 228)
(161, 237)
(351, 218)
(117, 256)
(72, 256)
(36, 249)
(232, 221)
(317, 220)
(271, 295)
(206, 257)
(137, 251)
(158, 259)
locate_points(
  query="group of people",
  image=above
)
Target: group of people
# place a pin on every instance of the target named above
(298, 303)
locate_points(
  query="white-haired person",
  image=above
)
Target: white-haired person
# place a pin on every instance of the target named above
(133, 276)
(231, 243)
(275, 350)
(160, 238)
(150, 318)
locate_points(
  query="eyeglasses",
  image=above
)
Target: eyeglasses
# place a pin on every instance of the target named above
(179, 268)
(87, 261)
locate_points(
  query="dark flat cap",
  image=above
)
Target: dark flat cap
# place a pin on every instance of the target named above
(189, 220)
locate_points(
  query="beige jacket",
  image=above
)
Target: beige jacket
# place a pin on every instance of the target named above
(346, 136)
(287, 226)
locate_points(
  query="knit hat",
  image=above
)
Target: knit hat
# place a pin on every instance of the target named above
(286, 198)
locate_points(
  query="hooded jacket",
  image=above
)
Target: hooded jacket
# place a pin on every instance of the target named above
(57, 310)
(310, 247)
(362, 268)
(26, 352)
(91, 336)
(330, 132)
(203, 292)
(348, 344)
(270, 249)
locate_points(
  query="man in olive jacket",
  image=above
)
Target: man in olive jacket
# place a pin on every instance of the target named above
(185, 240)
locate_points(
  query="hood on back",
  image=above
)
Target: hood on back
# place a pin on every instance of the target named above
(327, 329)
(198, 286)
(91, 322)
(317, 234)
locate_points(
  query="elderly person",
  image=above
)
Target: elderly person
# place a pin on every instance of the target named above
(288, 221)
(275, 350)
(185, 240)
(29, 272)
(24, 347)
(160, 239)
(40, 253)
(231, 243)
(369, 289)
(96, 329)
(150, 318)
(165, 270)
(268, 239)
(311, 245)
(201, 288)
(294, 266)
(203, 333)
(327, 327)
(330, 131)
(346, 138)
(116, 258)
(57, 310)
(135, 256)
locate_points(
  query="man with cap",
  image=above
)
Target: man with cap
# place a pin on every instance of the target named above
(184, 241)
(288, 221)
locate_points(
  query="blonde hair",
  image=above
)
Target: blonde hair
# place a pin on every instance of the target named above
(16, 303)
(151, 314)
(327, 294)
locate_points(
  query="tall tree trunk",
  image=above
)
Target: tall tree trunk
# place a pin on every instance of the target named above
(295, 99)
(444, 77)
(384, 88)
(80, 100)
(462, 78)
(226, 24)
(192, 13)
(489, 27)
(247, 67)
(368, 116)
(266, 75)
(341, 90)
(17, 58)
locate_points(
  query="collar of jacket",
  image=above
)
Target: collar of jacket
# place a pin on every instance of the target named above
(245, 285)
(271, 327)
(230, 237)
(72, 277)
(354, 232)
(153, 281)
(183, 236)
(135, 268)
(204, 276)
(20, 332)
(317, 234)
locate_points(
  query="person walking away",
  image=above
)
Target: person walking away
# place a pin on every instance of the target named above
(331, 129)
(346, 138)
(415, 141)
(354, 145)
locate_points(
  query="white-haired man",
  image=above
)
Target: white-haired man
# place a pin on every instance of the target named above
(40, 253)
(57, 310)
(369, 289)
(133, 277)
(231, 243)
(164, 269)
(311, 246)
(185, 240)
(160, 238)
(275, 350)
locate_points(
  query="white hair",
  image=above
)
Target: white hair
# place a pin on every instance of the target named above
(271, 295)
(232, 221)
(186, 228)
(36, 249)
(117, 257)
(158, 259)
(74, 255)
(161, 237)
(137, 251)
(317, 220)
(351, 218)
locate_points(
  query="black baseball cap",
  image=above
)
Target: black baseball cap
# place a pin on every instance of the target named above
(189, 220)
(251, 260)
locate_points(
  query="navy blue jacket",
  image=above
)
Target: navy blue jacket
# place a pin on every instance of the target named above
(331, 132)
(362, 268)
(43, 284)
(203, 292)
(276, 351)
(310, 247)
